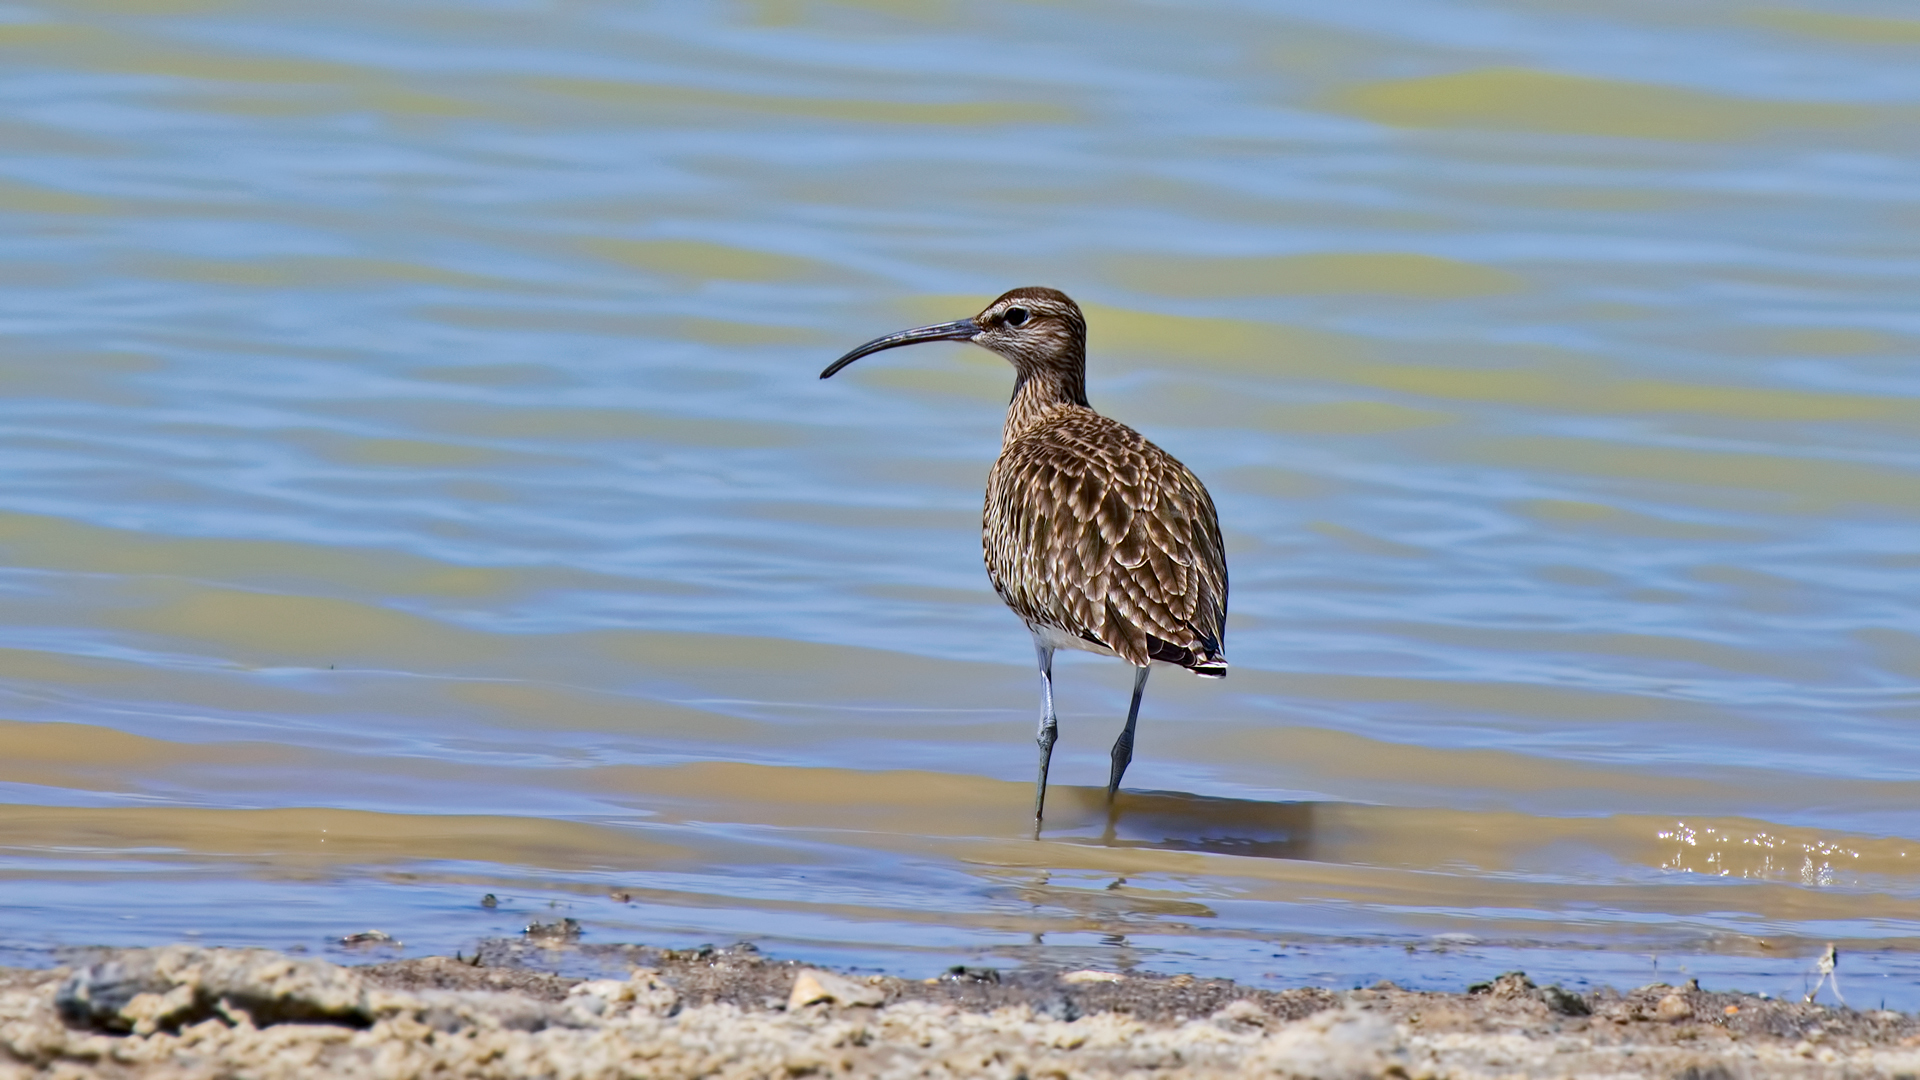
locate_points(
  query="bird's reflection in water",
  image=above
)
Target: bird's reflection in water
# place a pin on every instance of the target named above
(1177, 821)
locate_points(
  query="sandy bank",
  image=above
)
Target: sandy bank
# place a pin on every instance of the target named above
(188, 1012)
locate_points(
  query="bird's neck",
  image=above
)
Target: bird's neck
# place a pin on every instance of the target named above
(1040, 392)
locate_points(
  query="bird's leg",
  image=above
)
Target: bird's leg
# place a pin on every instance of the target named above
(1123, 746)
(1049, 730)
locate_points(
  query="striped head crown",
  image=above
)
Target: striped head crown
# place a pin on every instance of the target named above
(1036, 328)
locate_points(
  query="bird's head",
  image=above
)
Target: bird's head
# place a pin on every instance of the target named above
(1036, 328)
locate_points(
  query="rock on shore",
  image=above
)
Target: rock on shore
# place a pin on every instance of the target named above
(184, 1012)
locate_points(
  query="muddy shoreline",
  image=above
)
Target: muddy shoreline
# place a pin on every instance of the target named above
(189, 1012)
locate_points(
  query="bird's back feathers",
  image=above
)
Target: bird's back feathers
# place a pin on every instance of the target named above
(1095, 531)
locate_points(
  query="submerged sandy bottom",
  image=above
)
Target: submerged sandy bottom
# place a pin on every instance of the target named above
(189, 1012)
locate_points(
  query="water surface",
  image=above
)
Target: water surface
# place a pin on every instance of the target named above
(417, 485)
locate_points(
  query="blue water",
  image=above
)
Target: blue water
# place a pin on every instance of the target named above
(411, 432)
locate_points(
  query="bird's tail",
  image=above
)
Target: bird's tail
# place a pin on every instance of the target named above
(1210, 659)
(1204, 658)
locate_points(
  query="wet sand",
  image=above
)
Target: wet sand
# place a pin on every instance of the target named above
(184, 1012)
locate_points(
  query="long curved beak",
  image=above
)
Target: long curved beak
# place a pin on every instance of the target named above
(962, 330)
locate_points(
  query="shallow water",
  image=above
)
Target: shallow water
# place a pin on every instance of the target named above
(418, 486)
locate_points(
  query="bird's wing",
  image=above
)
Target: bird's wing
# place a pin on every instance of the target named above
(1095, 530)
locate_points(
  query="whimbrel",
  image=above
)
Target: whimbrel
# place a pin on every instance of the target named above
(1095, 537)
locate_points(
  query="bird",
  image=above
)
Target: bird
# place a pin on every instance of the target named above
(1095, 537)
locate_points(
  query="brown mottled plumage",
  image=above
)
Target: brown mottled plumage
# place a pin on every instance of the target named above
(1094, 536)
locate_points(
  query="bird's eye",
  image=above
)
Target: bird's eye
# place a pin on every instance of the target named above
(1015, 316)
